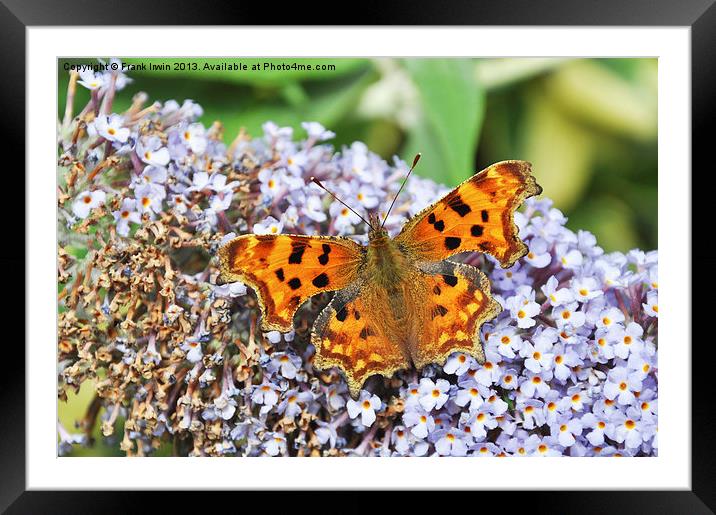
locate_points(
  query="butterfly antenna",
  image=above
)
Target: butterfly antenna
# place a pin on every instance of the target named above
(415, 162)
(316, 181)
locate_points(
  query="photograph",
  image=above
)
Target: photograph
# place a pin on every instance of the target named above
(357, 256)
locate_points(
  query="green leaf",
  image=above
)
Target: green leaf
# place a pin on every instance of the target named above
(498, 73)
(610, 219)
(606, 99)
(331, 101)
(561, 152)
(453, 105)
(77, 252)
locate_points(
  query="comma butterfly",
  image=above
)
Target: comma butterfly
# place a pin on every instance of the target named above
(398, 301)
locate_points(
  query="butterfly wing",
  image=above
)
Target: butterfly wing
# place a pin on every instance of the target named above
(354, 333)
(285, 270)
(456, 304)
(478, 215)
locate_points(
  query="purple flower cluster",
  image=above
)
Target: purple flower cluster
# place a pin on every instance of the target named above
(571, 361)
(571, 364)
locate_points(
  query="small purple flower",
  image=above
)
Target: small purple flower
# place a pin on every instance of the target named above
(621, 385)
(110, 128)
(420, 422)
(86, 201)
(127, 213)
(365, 406)
(152, 152)
(450, 442)
(287, 364)
(565, 430)
(433, 395)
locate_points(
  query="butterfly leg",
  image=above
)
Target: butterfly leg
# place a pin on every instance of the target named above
(458, 303)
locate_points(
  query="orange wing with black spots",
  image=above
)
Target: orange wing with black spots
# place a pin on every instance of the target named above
(351, 333)
(285, 270)
(456, 305)
(478, 215)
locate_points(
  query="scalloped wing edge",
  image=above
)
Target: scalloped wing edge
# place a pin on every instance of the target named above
(227, 275)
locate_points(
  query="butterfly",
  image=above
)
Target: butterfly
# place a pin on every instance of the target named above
(398, 301)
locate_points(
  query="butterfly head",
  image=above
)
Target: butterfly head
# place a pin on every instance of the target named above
(377, 232)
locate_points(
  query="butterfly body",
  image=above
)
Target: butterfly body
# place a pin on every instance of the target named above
(398, 302)
(386, 264)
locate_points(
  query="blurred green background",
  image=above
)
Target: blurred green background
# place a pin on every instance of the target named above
(589, 127)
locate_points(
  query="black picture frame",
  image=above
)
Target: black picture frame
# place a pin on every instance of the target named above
(17, 15)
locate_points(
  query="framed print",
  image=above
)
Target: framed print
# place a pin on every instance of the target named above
(411, 246)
